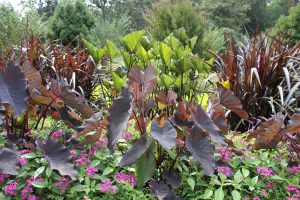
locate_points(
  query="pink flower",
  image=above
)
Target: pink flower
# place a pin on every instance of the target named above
(32, 197)
(22, 161)
(293, 197)
(269, 185)
(107, 187)
(101, 144)
(295, 169)
(256, 198)
(180, 142)
(264, 171)
(73, 154)
(26, 192)
(10, 189)
(83, 160)
(263, 193)
(25, 151)
(92, 151)
(127, 135)
(293, 189)
(62, 184)
(57, 134)
(3, 178)
(121, 177)
(225, 154)
(224, 170)
(91, 171)
(32, 180)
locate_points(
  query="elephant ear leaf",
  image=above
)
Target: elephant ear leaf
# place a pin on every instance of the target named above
(294, 123)
(9, 161)
(137, 150)
(216, 113)
(13, 88)
(58, 156)
(202, 150)
(165, 135)
(231, 102)
(202, 120)
(119, 114)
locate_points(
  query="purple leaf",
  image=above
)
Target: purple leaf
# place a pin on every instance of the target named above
(165, 135)
(9, 161)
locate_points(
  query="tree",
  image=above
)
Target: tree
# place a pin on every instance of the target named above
(289, 25)
(168, 16)
(46, 8)
(70, 19)
(10, 26)
(276, 9)
(226, 13)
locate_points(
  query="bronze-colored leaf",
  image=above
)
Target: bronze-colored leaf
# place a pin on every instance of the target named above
(294, 124)
(169, 99)
(30, 72)
(231, 102)
(216, 113)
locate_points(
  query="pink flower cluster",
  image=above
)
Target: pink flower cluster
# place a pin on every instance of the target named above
(91, 171)
(269, 185)
(263, 193)
(256, 198)
(101, 144)
(10, 189)
(83, 160)
(295, 169)
(121, 177)
(106, 186)
(225, 154)
(3, 177)
(265, 171)
(127, 135)
(62, 183)
(73, 154)
(224, 170)
(22, 161)
(92, 151)
(295, 193)
(32, 180)
(25, 151)
(57, 134)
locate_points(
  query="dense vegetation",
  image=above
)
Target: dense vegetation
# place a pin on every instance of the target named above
(150, 99)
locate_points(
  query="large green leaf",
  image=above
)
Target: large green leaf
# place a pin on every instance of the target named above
(165, 53)
(118, 81)
(219, 194)
(131, 41)
(96, 53)
(112, 49)
(13, 88)
(145, 167)
(167, 80)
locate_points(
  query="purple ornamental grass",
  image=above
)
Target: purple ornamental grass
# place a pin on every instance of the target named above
(124, 178)
(265, 171)
(91, 171)
(224, 170)
(107, 187)
(10, 189)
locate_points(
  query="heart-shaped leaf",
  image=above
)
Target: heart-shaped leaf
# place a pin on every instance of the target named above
(9, 161)
(165, 135)
(216, 113)
(118, 117)
(202, 150)
(159, 189)
(58, 156)
(173, 178)
(205, 123)
(137, 150)
(13, 88)
(231, 102)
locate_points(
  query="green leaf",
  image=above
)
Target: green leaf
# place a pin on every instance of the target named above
(118, 82)
(127, 59)
(236, 195)
(165, 53)
(131, 41)
(276, 177)
(208, 193)
(193, 42)
(167, 80)
(191, 182)
(142, 54)
(145, 167)
(96, 53)
(254, 181)
(219, 194)
(95, 163)
(238, 177)
(39, 184)
(78, 188)
(107, 171)
(246, 172)
(49, 171)
(112, 49)
(39, 171)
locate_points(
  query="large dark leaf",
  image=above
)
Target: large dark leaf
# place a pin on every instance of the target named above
(165, 135)
(70, 117)
(31, 73)
(173, 178)
(159, 189)
(137, 150)
(172, 196)
(231, 102)
(294, 123)
(202, 150)
(216, 113)
(145, 167)
(9, 161)
(91, 124)
(13, 88)
(205, 123)
(118, 117)
(58, 156)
